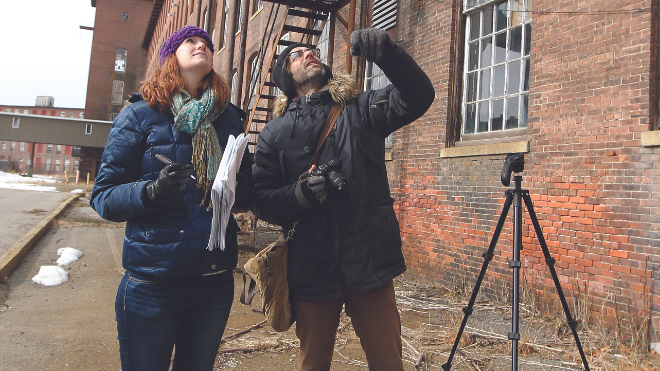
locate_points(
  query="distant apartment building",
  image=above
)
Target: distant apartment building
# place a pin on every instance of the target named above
(50, 159)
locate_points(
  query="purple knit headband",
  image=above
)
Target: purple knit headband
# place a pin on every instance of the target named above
(172, 43)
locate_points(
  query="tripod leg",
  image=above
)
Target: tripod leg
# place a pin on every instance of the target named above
(488, 256)
(514, 335)
(550, 261)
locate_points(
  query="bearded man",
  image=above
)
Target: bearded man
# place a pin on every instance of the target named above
(345, 248)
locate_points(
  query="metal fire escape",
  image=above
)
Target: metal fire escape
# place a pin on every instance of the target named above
(303, 22)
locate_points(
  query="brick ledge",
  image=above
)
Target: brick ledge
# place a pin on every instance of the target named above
(486, 149)
(651, 138)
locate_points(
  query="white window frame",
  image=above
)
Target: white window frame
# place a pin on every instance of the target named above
(112, 116)
(21, 147)
(495, 103)
(15, 122)
(88, 129)
(117, 92)
(121, 56)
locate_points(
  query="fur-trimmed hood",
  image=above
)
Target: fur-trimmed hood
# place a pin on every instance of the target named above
(342, 88)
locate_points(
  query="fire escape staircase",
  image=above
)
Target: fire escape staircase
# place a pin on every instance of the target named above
(303, 23)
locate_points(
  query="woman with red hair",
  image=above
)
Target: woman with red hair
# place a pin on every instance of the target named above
(177, 290)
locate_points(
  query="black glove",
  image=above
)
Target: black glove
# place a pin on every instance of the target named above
(373, 44)
(310, 192)
(244, 190)
(171, 180)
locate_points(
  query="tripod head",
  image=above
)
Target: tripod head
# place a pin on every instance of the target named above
(512, 163)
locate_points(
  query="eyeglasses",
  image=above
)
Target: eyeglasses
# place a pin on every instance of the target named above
(297, 54)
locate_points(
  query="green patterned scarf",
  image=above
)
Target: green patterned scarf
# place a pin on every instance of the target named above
(195, 117)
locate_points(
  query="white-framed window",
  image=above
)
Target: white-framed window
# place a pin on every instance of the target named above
(76, 165)
(254, 81)
(4, 145)
(234, 85)
(66, 165)
(7, 109)
(113, 116)
(323, 42)
(15, 122)
(12, 145)
(71, 114)
(62, 114)
(57, 166)
(117, 91)
(120, 59)
(81, 115)
(496, 66)
(25, 112)
(58, 149)
(17, 110)
(374, 78)
(49, 148)
(47, 164)
(88, 129)
(225, 15)
(21, 147)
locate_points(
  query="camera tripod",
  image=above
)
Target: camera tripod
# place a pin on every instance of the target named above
(515, 163)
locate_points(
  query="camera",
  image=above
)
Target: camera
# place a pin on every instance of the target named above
(330, 171)
(512, 163)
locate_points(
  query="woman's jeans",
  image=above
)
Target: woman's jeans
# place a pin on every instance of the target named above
(189, 314)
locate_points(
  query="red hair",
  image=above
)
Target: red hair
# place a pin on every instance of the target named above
(160, 85)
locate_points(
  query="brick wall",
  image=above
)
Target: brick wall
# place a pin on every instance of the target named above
(112, 31)
(594, 186)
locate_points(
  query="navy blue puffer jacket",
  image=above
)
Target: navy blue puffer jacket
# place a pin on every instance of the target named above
(168, 241)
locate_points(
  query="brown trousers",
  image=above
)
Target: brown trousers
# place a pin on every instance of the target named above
(375, 319)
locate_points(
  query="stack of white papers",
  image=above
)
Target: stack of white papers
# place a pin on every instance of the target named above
(224, 187)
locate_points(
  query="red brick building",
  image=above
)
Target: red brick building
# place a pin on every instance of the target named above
(571, 85)
(49, 158)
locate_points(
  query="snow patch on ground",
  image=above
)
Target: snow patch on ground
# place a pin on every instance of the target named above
(14, 181)
(50, 275)
(68, 255)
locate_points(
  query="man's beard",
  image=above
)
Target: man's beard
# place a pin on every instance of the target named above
(307, 78)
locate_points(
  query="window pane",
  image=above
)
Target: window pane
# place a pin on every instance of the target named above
(513, 85)
(473, 59)
(515, 42)
(474, 25)
(487, 21)
(470, 116)
(512, 112)
(498, 81)
(471, 3)
(526, 74)
(524, 110)
(528, 38)
(500, 47)
(486, 51)
(500, 16)
(471, 87)
(497, 114)
(484, 92)
(483, 117)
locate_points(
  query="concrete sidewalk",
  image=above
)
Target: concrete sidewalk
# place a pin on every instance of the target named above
(70, 326)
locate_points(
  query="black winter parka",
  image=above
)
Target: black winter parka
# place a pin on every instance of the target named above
(354, 234)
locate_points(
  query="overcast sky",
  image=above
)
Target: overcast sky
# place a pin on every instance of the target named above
(44, 51)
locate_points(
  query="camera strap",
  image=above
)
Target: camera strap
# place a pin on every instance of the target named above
(332, 118)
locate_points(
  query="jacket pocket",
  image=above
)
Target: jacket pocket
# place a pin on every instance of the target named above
(385, 236)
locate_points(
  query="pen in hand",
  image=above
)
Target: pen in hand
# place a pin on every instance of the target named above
(167, 161)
